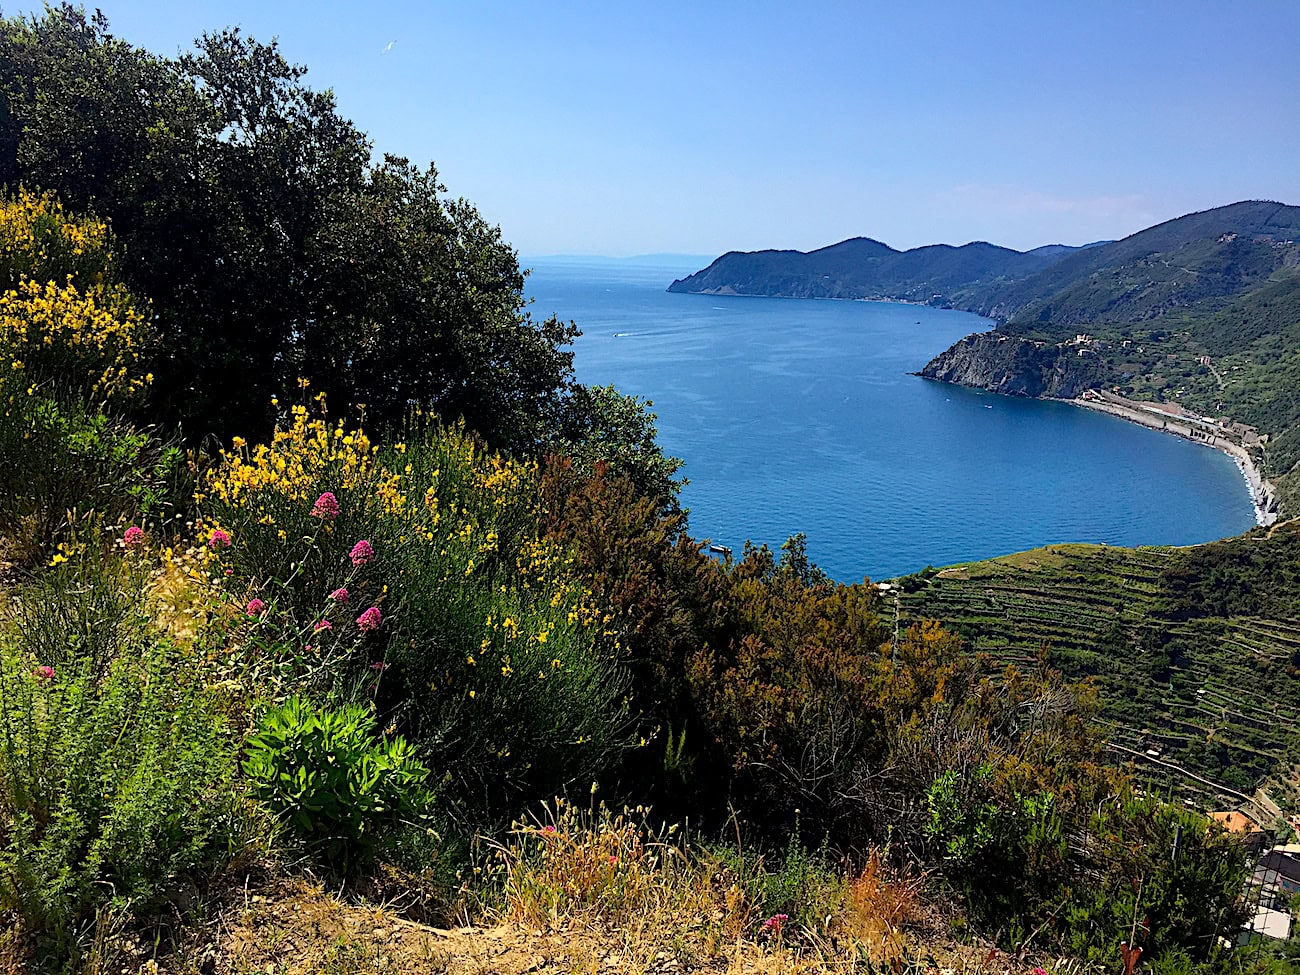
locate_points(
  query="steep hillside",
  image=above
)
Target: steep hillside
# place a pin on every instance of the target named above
(1219, 245)
(865, 268)
(1202, 312)
(1195, 651)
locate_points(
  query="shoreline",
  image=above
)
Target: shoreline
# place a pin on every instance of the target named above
(1263, 493)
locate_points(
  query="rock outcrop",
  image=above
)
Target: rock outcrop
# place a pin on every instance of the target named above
(1016, 366)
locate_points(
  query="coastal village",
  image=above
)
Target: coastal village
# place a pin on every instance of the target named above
(1272, 891)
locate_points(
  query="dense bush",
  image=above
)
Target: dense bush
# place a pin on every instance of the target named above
(333, 779)
(1165, 874)
(71, 348)
(115, 762)
(425, 558)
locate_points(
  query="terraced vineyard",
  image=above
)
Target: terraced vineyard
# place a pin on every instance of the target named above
(1196, 651)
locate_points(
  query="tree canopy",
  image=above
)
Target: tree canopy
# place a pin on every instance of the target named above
(274, 244)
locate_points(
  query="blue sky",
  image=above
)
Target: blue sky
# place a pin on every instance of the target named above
(627, 128)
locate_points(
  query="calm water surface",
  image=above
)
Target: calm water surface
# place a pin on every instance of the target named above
(800, 416)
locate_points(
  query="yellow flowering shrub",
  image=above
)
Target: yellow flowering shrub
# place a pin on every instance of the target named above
(87, 340)
(40, 240)
(301, 456)
(64, 322)
(485, 646)
(72, 350)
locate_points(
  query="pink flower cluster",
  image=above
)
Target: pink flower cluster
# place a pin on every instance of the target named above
(133, 537)
(326, 506)
(362, 552)
(255, 606)
(219, 539)
(44, 672)
(322, 625)
(339, 595)
(369, 620)
(773, 923)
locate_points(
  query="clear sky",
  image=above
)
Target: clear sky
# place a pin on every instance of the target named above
(623, 128)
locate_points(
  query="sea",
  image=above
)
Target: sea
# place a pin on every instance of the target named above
(801, 415)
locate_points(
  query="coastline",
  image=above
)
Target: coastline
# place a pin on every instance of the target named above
(1263, 493)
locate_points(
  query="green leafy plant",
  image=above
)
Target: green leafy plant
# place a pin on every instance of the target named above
(484, 647)
(112, 782)
(787, 887)
(962, 820)
(337, 784)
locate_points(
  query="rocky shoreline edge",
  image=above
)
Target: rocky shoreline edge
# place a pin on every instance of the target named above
(1263, 493)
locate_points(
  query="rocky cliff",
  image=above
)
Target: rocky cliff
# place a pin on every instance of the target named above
(1016, 366)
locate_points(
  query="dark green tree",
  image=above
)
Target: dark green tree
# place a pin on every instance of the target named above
(601, 425)
(273, 247)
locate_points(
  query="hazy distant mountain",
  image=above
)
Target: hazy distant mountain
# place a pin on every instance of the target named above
(667, 260)
(866, 268)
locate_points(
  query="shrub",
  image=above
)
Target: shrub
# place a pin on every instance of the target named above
(113, 779)
(1157, 871)
(71, 347)
(486, 650)
(40, 240)
(338, 785)
(63, 456)
(789, 888)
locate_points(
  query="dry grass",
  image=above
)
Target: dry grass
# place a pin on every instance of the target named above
(573, 892)
(663, 900)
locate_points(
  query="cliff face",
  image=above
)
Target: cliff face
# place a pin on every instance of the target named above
(1015, 366)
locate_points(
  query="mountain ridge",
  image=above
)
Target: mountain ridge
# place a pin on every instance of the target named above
(863, 267)
(1201, 311)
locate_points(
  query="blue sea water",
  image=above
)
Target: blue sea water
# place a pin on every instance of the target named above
(800, 416)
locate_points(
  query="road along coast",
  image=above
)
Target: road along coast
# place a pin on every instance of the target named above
(1172, 419)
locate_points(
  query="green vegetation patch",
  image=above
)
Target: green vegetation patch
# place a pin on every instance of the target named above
(1195, 651)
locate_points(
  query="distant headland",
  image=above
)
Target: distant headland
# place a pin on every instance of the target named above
(1200, 313)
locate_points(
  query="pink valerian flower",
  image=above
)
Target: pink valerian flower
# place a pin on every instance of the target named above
(44, 672)
(548, 828)
(362, 552)
(1040, 970)
(773, 923)
(322, 625)
(369, 620)
(255, 606)
(133, 537)
(219, 539)
(379, 666)
(339, 595)
(326, 506)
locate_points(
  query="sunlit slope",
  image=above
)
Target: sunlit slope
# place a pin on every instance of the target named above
(1195, 651)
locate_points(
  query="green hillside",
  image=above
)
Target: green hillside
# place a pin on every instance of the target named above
(865, 268)
(1203, 311)
(1245, 221)
(1195, 651)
